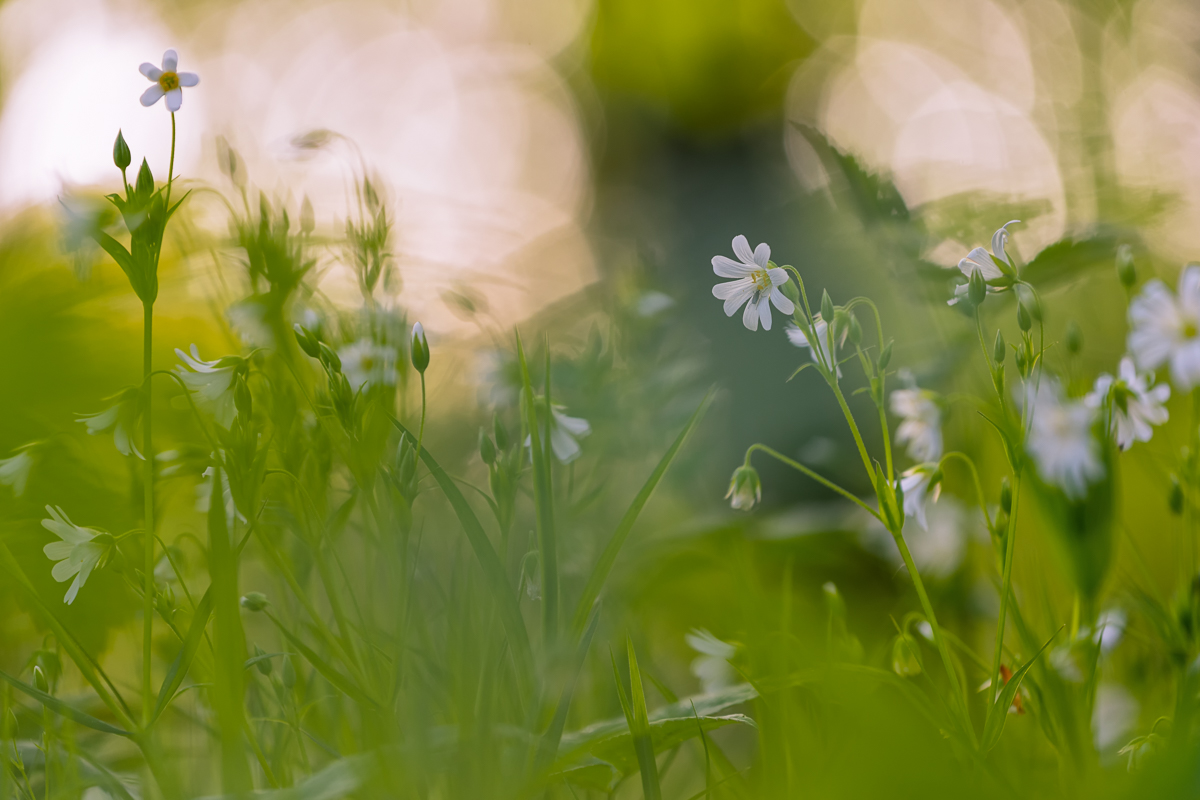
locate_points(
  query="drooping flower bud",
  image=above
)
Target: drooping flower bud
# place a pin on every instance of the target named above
(263, 664)
(121, 155)
(39, 680)
(487, 450)
(1024, 320)
(254, 601)
(745, 488)
(329, 358)
(855, 330)
(500, 432)
(1125, 269)
(420, 349)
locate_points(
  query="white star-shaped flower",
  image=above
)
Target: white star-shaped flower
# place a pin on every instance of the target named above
(798, 337)
(120, 418)
(757, 281)
(80, 551)
(211, 383)
(1136, 406)
(168, 81)
(712, 666)
(14, 471)
(985, 263)
(565, 433)
(915, 484)
(1060, 439)
(1165, 328)
(366, 362)
(921, 423)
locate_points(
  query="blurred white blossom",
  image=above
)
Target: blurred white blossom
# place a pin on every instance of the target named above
(1165, 328)
(14, 471)
(565, 433)
(80, 551)
(1060, 438)
(915, 483)
(798, 337)
(712, 666)
(211, 383)
(119, 418)
(921, 423)
(986, 264)
(755, 281)
(367, 362)
(1136, 406)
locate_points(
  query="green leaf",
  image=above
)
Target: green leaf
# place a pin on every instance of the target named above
(553, 736)
(502, 592)
(639, 726)
(62, 709)
(609, 557)
(340, 681)
(998, 713)
(183, 661)
(543, 496)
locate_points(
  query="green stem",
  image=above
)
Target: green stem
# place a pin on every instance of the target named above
(421, 428)
(148, 492)
(171, 167)
(862, 448)
(818, 478)
(965, 459)
(1005, 591)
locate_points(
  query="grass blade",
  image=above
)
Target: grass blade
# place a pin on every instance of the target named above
(638, 718)
(609, 557)
(61, 708)
(340, 681)
(998, 713)
(502, 592)
(543, 497)
(183, 661)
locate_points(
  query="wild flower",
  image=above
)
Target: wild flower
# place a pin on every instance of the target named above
(168, 82)
(1060, 439)
(79, 553)
(712, 666)
(921, 423)
(919, 487)
(1165, 328)
(120, 418)
(366, 362)
(757, 280)
(211, 383)
(565, 433)
(797, 336)
(745, 488)
(1135, 405)
(14, 470)
(991, 266)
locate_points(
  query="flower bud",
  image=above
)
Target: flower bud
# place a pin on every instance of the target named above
(1125, 269)
(886, 355)
(308, 343)
(998, 349)
(1175, 498)
(264, 664)
(145, 181)
(976, 288)
(255, 601)
(329, 358)
(39, 680)
(308, 220)
(826, 306)
(1074, 338)
(420, 349)
(121, 155)
(500, 432)
(1024, 320)
(792, 292)
(905, 662)
(1006, 495)
(855, 330)
(288, 673)
(243, 401)
(745, 489)
(1021, 360)
(487, 450)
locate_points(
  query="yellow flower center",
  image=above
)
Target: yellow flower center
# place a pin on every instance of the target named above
(1189, 330)
(762, 281)
(367, 364)
(168, 81)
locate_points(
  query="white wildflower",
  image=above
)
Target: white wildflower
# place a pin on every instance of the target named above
(120, 418)
(989, 265)
(712, 666)
(80, 551)
(1165, 328)
(14, 471)
(756, 281)
(565, 433)
(369, 363)
(916, 484)
(1060, 439)
(211, 383)
(1136, 407)
(168, 81)
(797, 336)
(745, 488)
(921, 423)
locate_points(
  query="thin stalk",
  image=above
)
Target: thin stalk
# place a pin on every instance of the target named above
(816, 477)
(1006, 589)
(148, 492)
(862, 448)
(171, 167)
(965, 459)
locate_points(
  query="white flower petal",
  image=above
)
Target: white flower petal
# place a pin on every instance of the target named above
(728, 268)
(170, 62)
(762, 254)
(735, 299)
(188, 79)
(174, 99)
(781, 302)
(750, 315)
(151, 95)
(723, 291)
(764, 313)
(150, 71)
(741, 249)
